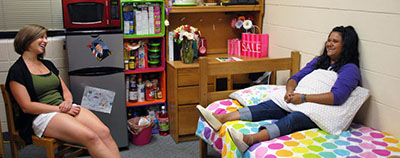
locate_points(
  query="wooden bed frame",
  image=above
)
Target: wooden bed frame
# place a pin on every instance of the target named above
(210, 68)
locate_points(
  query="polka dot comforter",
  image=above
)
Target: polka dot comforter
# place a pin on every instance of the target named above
(357, 141)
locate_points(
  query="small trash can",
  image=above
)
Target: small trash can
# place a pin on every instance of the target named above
(140, 128)
(143, 137)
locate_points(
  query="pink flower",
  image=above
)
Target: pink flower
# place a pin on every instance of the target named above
(233, 22)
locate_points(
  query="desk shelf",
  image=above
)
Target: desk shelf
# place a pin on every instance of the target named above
(203, 9)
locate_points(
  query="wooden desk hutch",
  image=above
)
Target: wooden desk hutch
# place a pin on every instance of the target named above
(214, 22)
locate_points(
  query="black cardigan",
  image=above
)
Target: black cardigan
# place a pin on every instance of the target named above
(19, 72)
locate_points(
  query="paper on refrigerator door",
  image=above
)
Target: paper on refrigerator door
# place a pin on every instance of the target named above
(98, 99)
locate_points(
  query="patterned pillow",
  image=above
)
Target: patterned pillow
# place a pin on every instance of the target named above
(255, 94)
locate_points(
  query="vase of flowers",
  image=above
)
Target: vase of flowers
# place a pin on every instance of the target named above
(187, 52)
(186, 35)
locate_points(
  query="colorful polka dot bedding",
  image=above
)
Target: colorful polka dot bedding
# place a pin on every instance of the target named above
(357, 141)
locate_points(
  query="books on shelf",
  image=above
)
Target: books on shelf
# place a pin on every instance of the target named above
(171, 46)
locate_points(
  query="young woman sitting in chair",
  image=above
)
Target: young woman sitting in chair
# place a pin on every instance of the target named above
(45, 105)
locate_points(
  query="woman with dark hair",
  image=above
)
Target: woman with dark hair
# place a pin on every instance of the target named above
(43, 104)
(340, 55)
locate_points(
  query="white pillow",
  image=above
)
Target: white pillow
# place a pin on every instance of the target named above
(330, 118)
(255, 94)
(333, 119)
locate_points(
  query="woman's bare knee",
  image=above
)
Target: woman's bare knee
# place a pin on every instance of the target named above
(89, 137)
(104, 132)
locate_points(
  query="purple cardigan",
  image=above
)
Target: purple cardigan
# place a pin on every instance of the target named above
(349, 77)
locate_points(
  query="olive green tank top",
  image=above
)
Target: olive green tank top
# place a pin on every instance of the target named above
(46, 88)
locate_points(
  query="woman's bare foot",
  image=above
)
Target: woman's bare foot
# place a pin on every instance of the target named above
(251, 139)
(227, 117)
(219, 117)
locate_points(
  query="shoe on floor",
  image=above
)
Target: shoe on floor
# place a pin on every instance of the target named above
(209, 118)
(237, 138)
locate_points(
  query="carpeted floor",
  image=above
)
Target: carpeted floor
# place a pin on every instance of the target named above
(159, 147)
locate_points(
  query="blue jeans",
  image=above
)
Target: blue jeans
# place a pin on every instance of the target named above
(288, 122)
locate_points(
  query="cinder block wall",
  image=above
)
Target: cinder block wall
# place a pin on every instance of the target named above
(54, 52)
(305, 25)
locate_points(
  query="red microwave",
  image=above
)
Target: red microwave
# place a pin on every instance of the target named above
(85, 14)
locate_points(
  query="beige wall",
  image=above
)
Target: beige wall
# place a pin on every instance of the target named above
(304, 26)
(54, 52)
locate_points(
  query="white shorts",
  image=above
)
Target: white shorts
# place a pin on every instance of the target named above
(40, 123)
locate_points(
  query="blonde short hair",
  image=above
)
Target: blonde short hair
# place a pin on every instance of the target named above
(26, 36)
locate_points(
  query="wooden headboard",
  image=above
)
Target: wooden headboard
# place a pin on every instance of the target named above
(212, 67)
(209, 67)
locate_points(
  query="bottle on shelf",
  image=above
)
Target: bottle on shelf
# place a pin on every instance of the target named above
(159, 93)
(154, 83)
(156, 88)
(127, 87)
(142, 57)
(126, 59)
(163, 121)
(132, 63)
(140, 88)
(133, 92)
(149, 90)
(126, 64)
(126, 53)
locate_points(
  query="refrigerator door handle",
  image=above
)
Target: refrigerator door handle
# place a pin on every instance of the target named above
(95, 71)
(94, 35)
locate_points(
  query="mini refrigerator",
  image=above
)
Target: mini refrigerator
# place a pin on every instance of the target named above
(105, 70)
